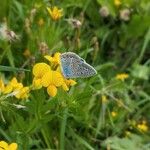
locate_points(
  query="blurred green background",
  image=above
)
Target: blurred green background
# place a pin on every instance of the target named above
(101, 112)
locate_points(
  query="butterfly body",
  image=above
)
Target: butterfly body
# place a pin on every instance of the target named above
(73, 66)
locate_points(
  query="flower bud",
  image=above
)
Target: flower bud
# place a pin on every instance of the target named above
(43, 48)
(7, 34)
(75, 23)
(125, 14)
(104, 12)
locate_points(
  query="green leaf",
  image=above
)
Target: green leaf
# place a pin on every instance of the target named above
(126, 143)
(135, 28)
(141, 72)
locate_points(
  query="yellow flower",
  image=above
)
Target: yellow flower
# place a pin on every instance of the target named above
(55, 59)
(40, 69)
(15, 86)
(18, 86)
(70, 82)
(122, 76)
(13, 81)
(36, 83)
(113, 114)
(52, 90)
(8, 89)
(52, 77)
(65, 87)
(2, 86)
(67, 83)
(55, 13)
(41, 22)
(104, 99)
(44, 76)
(23, 93)
(6, 146)
(117, 2)
(51, 80)
(12, 86)
(143, 126)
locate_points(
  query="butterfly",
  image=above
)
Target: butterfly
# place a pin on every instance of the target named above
(73, 66)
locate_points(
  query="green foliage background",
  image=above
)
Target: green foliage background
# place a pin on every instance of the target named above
(79, 119)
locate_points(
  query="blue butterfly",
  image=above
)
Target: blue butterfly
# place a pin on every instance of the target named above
(73, 66)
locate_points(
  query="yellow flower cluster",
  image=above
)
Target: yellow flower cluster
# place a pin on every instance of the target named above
(122, 76)
(14, 86)
(55, 13)
(143, 126)
(6, 146)
(50, 76)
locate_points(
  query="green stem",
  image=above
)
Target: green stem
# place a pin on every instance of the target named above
(3, 133)
(45, 138)
(63, 129)
(146, 41)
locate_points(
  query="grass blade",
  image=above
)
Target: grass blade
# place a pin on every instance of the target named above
(81, 140)
(7, 68)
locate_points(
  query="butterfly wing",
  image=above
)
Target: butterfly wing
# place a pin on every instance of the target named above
(85, 70)
(69, 63)
(73, 66)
